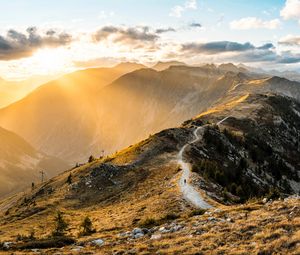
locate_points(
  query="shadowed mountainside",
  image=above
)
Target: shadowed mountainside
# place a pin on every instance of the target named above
(20, 164)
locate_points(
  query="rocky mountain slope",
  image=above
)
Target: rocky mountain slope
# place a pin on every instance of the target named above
(251, 154)
(20, 164)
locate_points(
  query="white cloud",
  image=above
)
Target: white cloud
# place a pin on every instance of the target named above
(254, 23)
(177, 10)
(291, 10)
(290, 40)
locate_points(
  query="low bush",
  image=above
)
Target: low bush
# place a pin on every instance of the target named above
(197, 212)
(53, 242)
(149, 222)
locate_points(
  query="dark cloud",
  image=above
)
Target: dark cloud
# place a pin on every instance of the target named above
(266, 46)
(165, 30)
(16, 45)
(288, 57)
(257, 55)
(129, 35)
(195, 25)
(216, 47)
(241, 52)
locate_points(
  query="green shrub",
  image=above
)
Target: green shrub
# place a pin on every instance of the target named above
(149, 222)
(91, 159)
(87, 227)
(197, 212)
(170, 216)
(69, 179)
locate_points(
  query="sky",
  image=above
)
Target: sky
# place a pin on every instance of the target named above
(51, 37)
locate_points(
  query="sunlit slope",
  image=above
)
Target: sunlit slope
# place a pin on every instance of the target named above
(20, 163)
(11, 91)
(59, 117)
(147, 101)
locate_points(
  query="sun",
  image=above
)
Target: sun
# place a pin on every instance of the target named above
(49, 61)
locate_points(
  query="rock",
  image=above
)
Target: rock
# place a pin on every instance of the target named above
(145, 230)
(229, 220)
(265, 200)
(7, 245)
(155, 237)
(138, 235)
(164, 230)
(97, 242)
(211, 219)
(77, 248)
(176, 228)
(137, 230)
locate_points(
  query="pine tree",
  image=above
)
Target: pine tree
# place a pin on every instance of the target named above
(91, 158)
(69, 180)
(61, 225)
(87, 227)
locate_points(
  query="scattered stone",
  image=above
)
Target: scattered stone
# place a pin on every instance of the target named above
(164, 230)
(156, 237)
(7, 245)
(212, 219)
(77, 248)
(137, 233)
(97, 242)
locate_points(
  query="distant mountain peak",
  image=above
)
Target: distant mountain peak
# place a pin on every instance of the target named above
(232, 67)
(160, 66)
(130, 65)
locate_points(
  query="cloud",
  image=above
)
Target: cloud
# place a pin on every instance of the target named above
(134, 37)
(290, 40)
(288, 57)
(254, 23)
(16, 45)
(125, 35)
(224, 51)
(221, 47)
(165, 30)
(178, 10)
(291, 10)
(195, 25)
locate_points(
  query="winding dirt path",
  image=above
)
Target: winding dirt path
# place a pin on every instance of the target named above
(188, 191)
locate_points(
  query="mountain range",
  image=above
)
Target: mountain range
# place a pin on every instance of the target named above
(176, 150)
(92, 112)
